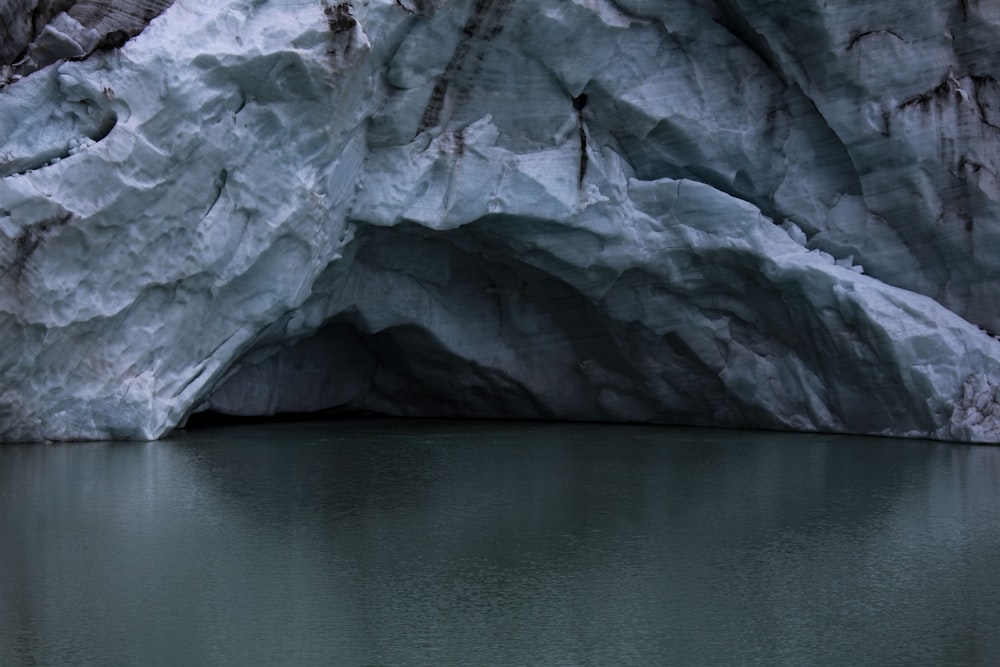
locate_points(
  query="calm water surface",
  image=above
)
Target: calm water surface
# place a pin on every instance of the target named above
(406, 543)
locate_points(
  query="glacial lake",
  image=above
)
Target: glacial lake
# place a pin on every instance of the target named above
(402, 542)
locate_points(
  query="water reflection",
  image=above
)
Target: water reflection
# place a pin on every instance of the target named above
(440, 543)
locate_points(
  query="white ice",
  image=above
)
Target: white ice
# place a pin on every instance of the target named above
(699, 213)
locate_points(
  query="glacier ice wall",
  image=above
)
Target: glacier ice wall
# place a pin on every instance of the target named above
(738, 213)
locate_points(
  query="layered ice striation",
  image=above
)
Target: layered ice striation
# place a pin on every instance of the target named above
(752, 214)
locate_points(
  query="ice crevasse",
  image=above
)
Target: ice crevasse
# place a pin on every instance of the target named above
(746, 213)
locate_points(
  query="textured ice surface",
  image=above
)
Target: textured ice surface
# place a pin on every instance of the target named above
(737, 213)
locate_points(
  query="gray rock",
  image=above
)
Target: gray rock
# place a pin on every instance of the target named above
(36, 34)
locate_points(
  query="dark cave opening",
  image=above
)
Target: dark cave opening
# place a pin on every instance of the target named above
(213, 418)
(469, 334)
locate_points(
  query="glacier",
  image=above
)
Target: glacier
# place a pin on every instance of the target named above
(739, 213)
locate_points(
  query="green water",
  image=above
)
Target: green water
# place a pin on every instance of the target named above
(436, 543)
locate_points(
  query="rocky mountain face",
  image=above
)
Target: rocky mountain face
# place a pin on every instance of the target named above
(36, 33)
(749, 213)
(21, 21)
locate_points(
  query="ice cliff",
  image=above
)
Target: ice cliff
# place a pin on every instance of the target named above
(760, 213)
